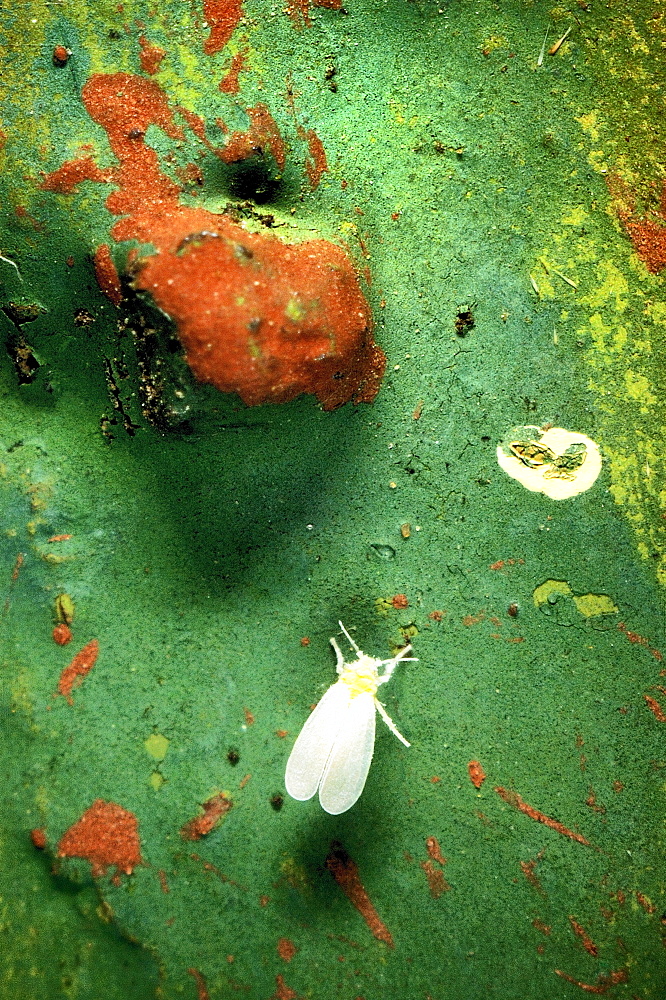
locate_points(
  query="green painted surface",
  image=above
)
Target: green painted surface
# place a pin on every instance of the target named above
(200, 560)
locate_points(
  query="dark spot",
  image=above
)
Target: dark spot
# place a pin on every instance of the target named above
(242, 252)
(485, 438)
(512, 610)
(233, 756)
(276, 802)
(25, 362)
(464, 321)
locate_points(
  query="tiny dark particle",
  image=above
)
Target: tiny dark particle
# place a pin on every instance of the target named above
(233, 757)
(512, 610)
(276, 802)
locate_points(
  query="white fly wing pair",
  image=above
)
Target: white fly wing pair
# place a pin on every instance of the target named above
(334, 750)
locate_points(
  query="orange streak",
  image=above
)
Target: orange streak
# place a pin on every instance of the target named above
(59, 538)
(202, 990)
(436, 881)
(603, 983)
(588, 943)
(655, 708)
(514, 799)
(434, 850)
(345, 873)
(81, 665)
(527, 868)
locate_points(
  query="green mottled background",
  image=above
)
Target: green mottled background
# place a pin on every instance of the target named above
(199, 560)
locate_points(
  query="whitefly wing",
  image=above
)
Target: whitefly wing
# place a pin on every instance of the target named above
(344, 777)
(312, 749)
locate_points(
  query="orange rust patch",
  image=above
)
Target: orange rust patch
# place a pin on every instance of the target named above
(163, 880)
(38, 838)
(305, 641)
(655, 708)
(528, 869)
(603, 983)
(473, 619)
(81, 665)
(591, 801)
(222, 17)
(399, 602)
(648, 235)
(436, 616)
(202, 988)
(436, 881)
(213, 810)
(150, 56)
(515, 800)
(476, 773)
(249, 718)
(286, 949)
(418, 409)
(66, 179)
(62, 634)
(283, 992)
(497, 565)
(316, 163)
(345, 873)
(302, 303)
(59, 538)
(107, 275)
(281, 733)
(540, 926)
(262, 136)
(106, 835)
(579, 931)
(256, 316)
(229, 83)
(434, 850)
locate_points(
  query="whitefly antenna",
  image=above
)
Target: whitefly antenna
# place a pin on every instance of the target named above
(351, 641)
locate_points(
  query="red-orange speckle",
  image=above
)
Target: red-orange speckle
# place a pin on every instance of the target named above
(229, 83)
(345, 873)
(497, 565)
(106, 835)
(476, 773)
(286, 949)
(249, 718)
(107, 275)
(469, 620)
(264, 900)
(399, 602)
(603, 983)
(59, 538)
(213, 811)
(634, 637)
(262, 136)
(281, 733)
(38, 837)
(164, 885)
(579, 931)
(62, 634)
(200, 980)
(17, 565)
(222, 17)
(648, 235)
(436, 616)
(655, 708)
(515, 800)
(540, 926)
(81, 665)
(66, 179)
(61, 55)
(617, 786)
(150, 56)
(305, 641)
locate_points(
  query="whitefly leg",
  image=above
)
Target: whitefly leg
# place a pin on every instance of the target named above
(389, 722)
(340, 665)
(390, 665)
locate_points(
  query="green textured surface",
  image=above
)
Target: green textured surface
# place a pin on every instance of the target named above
(199, 561)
